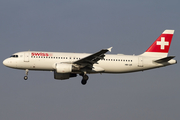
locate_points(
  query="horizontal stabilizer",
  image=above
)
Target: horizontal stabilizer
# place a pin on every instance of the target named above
(166, 59)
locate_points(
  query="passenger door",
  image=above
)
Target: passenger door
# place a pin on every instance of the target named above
(140, 62)
(26, 57)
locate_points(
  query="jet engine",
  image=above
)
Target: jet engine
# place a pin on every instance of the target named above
(63, 68)
(63, 71)
(63, 76)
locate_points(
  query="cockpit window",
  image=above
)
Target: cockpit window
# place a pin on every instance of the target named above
(15, 56)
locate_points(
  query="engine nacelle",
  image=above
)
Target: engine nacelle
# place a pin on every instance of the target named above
(63, 68)
(63, 76)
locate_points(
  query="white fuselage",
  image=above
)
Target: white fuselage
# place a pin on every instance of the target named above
(68, 65)
(46, 61)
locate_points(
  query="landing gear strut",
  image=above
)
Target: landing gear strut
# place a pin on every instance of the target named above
(84, 78)
(26, 77)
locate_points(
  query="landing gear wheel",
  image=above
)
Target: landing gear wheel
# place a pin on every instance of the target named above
(25, 77)
(83, 82)
(85, 77)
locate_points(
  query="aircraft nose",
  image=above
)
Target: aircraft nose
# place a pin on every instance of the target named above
(5, 62)
(10, 63)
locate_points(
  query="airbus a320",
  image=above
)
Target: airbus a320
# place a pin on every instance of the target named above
(68, 65)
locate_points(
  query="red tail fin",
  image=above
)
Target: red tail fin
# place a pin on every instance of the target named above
(161, 45)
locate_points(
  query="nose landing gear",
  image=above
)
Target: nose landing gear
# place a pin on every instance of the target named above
(26, 77)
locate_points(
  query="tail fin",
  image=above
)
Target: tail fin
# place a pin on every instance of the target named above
(160, 47)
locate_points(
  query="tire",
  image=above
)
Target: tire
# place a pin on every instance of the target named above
(85, 77)
(83, 82)
(25, 77)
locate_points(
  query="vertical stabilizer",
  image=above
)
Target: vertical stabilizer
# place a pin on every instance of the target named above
(160, 47)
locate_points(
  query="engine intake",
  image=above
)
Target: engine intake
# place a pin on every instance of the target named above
(63, 71)
(63, 68)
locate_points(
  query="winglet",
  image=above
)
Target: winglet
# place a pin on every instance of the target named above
(109, 49)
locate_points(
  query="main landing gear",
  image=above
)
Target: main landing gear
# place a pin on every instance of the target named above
(26, 77)
(84, 78)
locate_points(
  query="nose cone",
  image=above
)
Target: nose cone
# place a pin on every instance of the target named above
(5, 62)
(10, 63)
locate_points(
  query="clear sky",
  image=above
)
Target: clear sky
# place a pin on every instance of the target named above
(87, 26)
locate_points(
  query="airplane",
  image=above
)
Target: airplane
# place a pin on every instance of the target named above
(68, 65)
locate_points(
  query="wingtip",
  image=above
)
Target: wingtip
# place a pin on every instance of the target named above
(110, 49)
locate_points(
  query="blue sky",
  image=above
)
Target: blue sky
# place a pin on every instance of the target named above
(130, 27)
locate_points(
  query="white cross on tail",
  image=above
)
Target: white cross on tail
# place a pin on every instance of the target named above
(162, 43)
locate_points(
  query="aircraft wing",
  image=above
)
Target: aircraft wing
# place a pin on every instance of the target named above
(93, 58)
